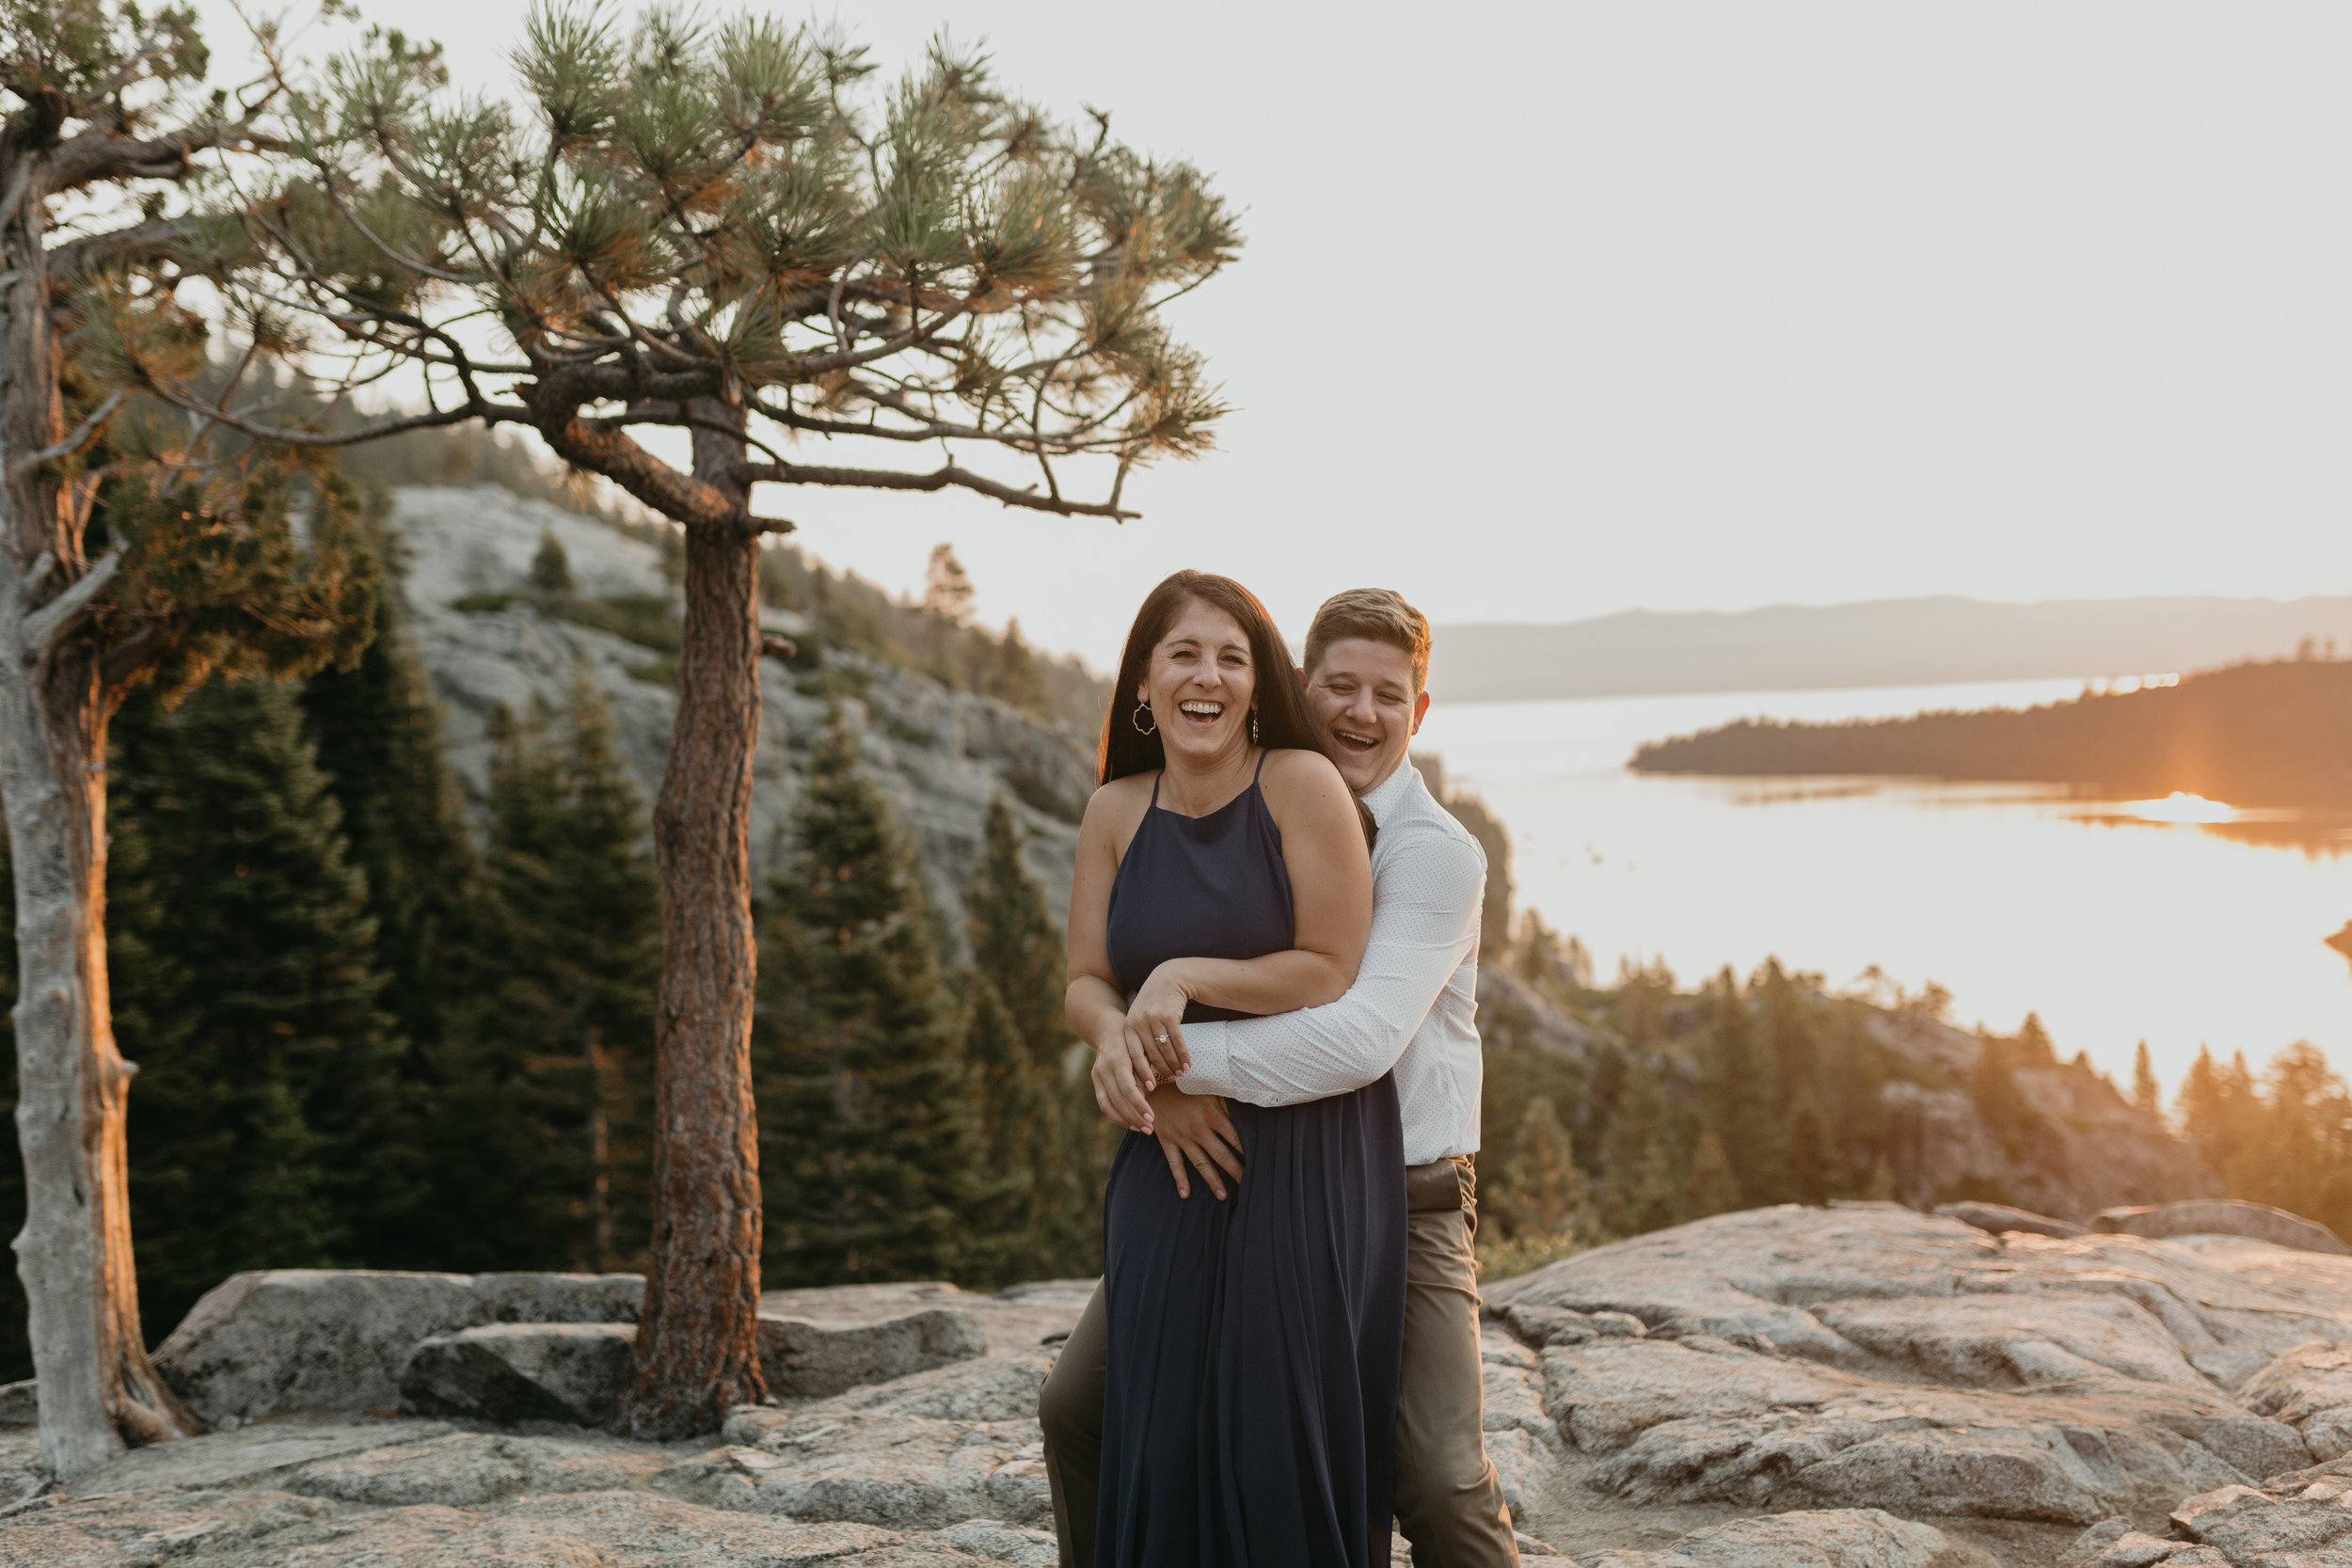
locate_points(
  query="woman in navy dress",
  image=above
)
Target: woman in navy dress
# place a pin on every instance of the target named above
(1251, 1388)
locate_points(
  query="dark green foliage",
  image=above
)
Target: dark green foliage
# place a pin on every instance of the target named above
(546, 1115)
(2284, 1139)
(870, 1141)
(376, 732)
(1018, 956)
(550, 569)
(1549, 1195)
(269, 1121)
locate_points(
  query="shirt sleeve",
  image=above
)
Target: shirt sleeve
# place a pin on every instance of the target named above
(1424, 923)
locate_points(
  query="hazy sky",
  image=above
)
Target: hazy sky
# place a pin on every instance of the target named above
(1549, 310)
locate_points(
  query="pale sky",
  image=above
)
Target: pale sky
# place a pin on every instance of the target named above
(1550, 311)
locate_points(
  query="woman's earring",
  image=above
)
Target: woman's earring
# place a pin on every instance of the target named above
(1253, 727)
(1143, 711)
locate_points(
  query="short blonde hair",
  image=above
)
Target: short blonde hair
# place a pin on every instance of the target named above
(1377, 615)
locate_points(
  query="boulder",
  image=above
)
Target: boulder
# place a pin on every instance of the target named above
(1828, 1538)
(2222, 1217)
(928, 1452)
(1999, 1217)
(2310, 1389)
(279, 1341)
(1537, 1326)
(804, 1360)
(19, 1404)
(519, 1373)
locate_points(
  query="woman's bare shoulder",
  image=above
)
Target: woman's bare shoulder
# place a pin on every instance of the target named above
(1115, 809)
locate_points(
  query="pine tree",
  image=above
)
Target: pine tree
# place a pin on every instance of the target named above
(1994, 1085)
(269, 1099)
(1640, 1192)
(376, 732)
(549, 1108)
(2145, 1094)
(1019, 1135)
(1546, 1195)
(551, 568)
(1711, 1187)
(1814, 1169)
(871, 1154)
(1064, 244)
(1017, 949)
(1739, 1095)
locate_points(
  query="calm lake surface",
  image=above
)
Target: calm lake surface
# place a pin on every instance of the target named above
(2114, 920)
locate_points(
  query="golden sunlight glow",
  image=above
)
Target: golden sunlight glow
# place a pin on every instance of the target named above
(2124, 685)
(2181, 806)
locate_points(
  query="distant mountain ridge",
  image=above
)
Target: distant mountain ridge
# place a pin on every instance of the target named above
(1921, 641)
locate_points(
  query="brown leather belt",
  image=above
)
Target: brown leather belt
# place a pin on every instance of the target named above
(1442, 1184)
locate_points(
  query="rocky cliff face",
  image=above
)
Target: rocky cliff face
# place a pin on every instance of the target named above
(939, 756)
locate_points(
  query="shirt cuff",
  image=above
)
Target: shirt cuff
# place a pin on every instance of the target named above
(1212, 1059)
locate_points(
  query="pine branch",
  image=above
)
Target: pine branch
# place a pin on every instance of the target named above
(945, 477)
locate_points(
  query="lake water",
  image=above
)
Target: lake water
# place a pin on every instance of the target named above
(2116, 921)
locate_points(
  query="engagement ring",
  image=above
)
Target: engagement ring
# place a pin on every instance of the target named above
(1161, 1039)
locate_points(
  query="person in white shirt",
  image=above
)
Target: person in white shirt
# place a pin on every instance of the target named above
(1412, 1009)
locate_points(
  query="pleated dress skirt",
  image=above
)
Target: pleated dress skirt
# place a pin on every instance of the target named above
(1250, 1413)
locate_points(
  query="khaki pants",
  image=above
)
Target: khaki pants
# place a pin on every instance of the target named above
(1449, 1504)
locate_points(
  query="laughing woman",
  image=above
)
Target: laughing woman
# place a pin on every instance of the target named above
(1253, 1344)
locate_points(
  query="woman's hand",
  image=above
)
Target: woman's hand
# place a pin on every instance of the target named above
(1122, 1077)
(1157, 1015)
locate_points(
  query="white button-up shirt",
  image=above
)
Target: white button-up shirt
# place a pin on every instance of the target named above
(1413, 1007)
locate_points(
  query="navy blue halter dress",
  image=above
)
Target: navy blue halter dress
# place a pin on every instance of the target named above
(1249, 1404)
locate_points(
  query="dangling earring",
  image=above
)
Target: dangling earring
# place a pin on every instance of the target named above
(1143, 711)
(1253, 727)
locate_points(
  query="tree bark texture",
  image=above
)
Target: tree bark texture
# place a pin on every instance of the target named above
(98, 1392)
(697, 1351)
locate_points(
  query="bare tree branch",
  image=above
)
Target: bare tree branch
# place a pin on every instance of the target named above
(82, 434)
(945, 477)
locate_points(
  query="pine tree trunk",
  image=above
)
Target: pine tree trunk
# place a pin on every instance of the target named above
(97, 1389)
(697, 1347)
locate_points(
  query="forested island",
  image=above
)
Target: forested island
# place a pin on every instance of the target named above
(2270, 734)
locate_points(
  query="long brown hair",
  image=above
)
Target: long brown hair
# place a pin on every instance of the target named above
(1280, 691)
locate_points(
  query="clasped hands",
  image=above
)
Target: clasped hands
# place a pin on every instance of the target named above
(1135, 1064)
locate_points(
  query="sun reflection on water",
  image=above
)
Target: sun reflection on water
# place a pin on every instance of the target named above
(2181, 806)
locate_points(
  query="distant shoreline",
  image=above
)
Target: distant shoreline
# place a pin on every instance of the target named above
(1890, 642)
(2269, 734)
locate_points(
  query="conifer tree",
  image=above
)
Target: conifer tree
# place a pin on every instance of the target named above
(376, 731)
(1019, 1135)
(1546, 1195)
(1017, 948)
(246, 977)
(721, 228)
(1711, 1189)
(549, 1106)
(870, 1153)
(1640, 1192)
(2145, 1095)
(1994, 1085)
(1739, 1095)
(1813, 1167)
(132, 548)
